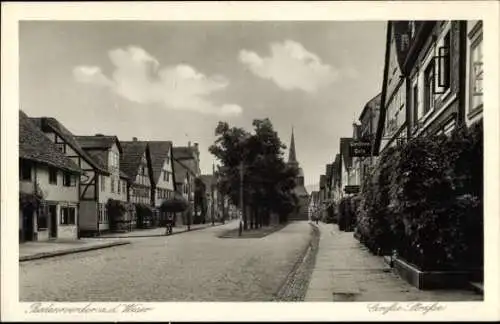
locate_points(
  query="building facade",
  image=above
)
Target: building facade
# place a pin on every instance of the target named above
(136, 164)
(106, 151)
(162, 163)
(94, 169)
(47, 173)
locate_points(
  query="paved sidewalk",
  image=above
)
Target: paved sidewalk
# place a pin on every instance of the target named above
(346, 271)
(39, 250)
(159, 231)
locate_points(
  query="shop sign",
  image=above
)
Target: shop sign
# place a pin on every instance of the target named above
(351, 189)
(360, 149)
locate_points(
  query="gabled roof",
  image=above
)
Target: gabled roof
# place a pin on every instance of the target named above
(130, 158)
(35, 146)
(98, 141)
(344, 151)
(373, 103)
(183, 152)
(180, 172)
(52, 124)
(159, 152)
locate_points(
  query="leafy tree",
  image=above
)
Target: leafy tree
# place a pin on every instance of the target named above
(268, 181)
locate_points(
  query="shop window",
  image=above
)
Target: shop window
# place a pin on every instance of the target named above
(68, 216)
(25, 170)
(69, 180)
(53, 176)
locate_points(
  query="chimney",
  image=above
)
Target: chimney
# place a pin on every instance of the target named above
(189, 144)
(196, 146)
(134, 139)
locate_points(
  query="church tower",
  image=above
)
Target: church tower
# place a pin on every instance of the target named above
(300, 190)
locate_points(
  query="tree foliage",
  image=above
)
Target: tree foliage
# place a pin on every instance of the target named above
(268, 180)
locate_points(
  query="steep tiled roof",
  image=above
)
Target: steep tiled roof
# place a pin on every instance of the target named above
(344, 151)
(52, 124)
(159, 152)
(183, 152)
(373, 103)
(98, 142)
(130, 158)
(179, 172)
(35, 146)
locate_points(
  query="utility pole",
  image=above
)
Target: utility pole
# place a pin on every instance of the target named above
(242, 206)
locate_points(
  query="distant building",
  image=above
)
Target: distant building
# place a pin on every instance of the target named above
(302, 211)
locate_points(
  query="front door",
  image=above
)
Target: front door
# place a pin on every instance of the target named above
(53, 221)
(27, 224)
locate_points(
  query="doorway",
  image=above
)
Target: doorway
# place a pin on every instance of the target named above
(27, 231)
(53, 221)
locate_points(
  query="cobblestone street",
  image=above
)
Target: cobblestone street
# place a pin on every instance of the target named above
(195, 266)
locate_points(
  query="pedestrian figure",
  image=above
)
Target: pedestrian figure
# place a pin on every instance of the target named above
(170, 221)
(317, 220)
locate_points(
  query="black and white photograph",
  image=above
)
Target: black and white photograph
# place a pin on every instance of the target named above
(251, 160)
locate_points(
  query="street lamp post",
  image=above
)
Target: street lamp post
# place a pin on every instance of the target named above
(242, 207)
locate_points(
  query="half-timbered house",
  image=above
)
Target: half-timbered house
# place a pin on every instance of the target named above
(163, 175)
(106, 151)
(49, 187)
(135, 162)
(93, 168)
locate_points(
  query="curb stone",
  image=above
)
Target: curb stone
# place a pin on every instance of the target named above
(155, 235)
(44, 255)
(295, 285)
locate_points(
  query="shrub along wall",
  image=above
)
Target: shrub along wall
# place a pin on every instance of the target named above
(424, 200)
(347, 210)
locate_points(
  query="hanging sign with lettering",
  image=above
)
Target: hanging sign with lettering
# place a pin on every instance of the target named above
(360, 149)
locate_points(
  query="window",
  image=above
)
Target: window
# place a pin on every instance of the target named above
(414, 104)
(69, 180)
(124, 187)
(61, 147)
(445, 62)
(476, 74)
(68, 216)
(25, 170)
(118, 186)
(165, 175)
(53, 176)
(112, 185)
(103, 214)
(103, 183)
(428, 88)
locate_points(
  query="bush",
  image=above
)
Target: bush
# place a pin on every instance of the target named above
(347, 213)
(425, 200)
(374, 215)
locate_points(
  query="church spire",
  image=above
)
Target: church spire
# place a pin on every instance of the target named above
(292, 158)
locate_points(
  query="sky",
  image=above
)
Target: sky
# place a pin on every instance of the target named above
(175, 80)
